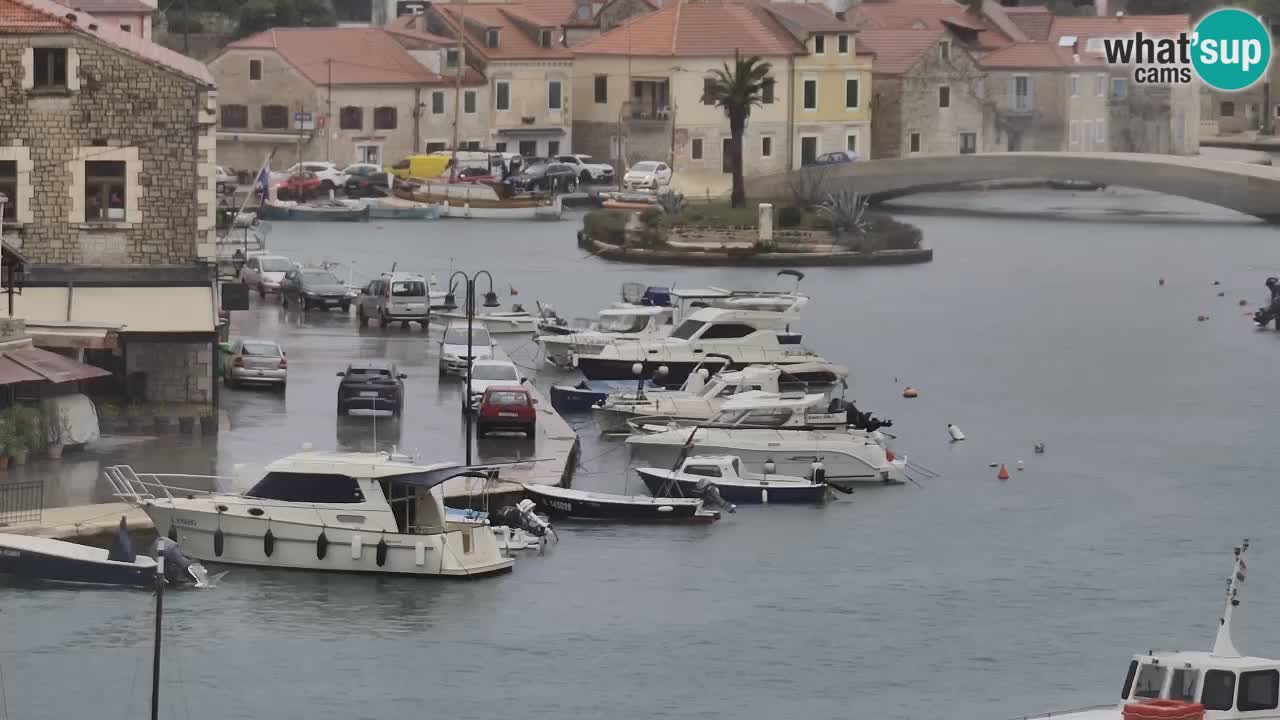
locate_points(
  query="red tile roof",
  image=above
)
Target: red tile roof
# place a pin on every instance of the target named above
(926, 14)
(42, 16)
(107, 7)
(808, 17)
(517, 27)
(1035, 56)
(346, 56)
(1087, 27)
(898, 50)
(1034, 21)
(698, 28)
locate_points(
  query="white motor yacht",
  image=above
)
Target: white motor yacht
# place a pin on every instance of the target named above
(352, 512)
(701, 400)
(1220, 684)
(621, 321)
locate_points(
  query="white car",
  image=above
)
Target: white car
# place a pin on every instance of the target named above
(453, 347)
(225, 181)
(264, 272)
(588, 169)
(487, 373)
(647, 175)
(330, 176)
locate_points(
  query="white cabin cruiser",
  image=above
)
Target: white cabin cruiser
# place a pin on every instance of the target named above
(701, 400)
(773, 437)
(1217, 685)
(740, 337)
(349, 512)
(622, 321)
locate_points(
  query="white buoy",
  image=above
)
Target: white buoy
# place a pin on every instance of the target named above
(956, 435)
(1019, 465)
(764, 496)
(356, 547)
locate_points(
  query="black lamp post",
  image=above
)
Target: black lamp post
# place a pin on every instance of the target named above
(450, 303)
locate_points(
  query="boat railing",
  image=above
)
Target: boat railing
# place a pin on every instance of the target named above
(128, 485)
(1060, 713)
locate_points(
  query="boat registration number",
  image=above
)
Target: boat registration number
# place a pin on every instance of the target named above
(10, 553)
(369, 393)
(558, 505)
(507, 414)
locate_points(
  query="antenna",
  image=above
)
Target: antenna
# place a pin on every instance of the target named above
(1222, 646)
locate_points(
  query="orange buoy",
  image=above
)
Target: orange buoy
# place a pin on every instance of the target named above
(910, 392)
(1004, 472)
(888, 455)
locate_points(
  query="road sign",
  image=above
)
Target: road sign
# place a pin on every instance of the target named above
(303, 121)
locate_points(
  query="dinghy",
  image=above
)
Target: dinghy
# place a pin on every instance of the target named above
(580, 504)
(735, 486)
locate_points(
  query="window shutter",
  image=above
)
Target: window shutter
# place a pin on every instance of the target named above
(1013, 97)
(1031, 93)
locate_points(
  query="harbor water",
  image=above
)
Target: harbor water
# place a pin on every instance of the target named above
(966, 598)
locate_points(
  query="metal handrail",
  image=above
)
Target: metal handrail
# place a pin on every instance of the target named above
(129, 485)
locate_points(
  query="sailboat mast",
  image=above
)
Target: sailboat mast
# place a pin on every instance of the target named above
(1223, 646)
(155, 658)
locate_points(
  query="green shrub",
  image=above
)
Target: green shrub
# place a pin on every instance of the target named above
(605, 226)
(789, 217)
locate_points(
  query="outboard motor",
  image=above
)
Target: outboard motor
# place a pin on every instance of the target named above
(522, 516)
(710, 495)
(864, 421)
(1265, 315)
(178, 568)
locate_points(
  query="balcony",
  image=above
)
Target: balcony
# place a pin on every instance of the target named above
(649, 102)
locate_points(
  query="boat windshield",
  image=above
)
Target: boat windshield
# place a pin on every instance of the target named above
(687, 329)
(458, 336)
(307, 488)
(1150, 681)
(494, 372)
(624, 323)
(760, 417)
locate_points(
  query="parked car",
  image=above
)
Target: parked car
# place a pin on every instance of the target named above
(361, 170)
(487, 373)
(265, 272)
(647, 175)
(475, 175)
(301, 186)
(313, 287)
(331, 178)
(453, 347)
(395, 296)
(836, 158)
(547, 176)
(588, 169)
(225, 181)
(255, 362)
(371, 385)
(507, 407)
(363, 186)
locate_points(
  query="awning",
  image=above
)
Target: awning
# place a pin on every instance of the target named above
(68, 335)
(131, 309)
(532, 131)
(36, 365)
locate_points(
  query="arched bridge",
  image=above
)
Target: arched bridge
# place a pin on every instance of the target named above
(1244, 187)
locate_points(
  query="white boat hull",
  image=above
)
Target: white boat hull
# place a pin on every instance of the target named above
(495, 324)
(456, 208)
(473, 551)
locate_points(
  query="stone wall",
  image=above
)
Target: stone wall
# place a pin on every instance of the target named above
(176, 372)
(122, 105)
(886, 130)
(940, 128)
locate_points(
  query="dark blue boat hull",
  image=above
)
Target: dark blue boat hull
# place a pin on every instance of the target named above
(56, 568)
(586, 395)
(740, 495)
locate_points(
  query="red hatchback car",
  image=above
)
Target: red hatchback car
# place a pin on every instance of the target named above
(507, 407)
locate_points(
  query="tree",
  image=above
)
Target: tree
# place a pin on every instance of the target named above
(737, 90)
(259, 15)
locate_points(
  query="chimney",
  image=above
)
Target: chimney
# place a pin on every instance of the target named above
(1119, 13)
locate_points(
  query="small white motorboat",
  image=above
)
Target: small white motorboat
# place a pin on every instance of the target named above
(516, 321)
(58, 561)
(734, 484)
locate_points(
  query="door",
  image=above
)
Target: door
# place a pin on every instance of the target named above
(968, 143)
(1015, 142)
(369, 299)
(726, 155)
(528, 148)
(808, 150)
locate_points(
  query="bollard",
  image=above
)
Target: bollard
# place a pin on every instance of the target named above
(766, 222)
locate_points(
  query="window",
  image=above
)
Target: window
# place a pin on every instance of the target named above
(687, 329)
(1100, 84)
(1259, 690)
(502, 95)
(1219, 690)
(508, 398)
(851, 142)
(773, 417)
(766, 147)
(1099, 131)
(810, 94)
(726, 154)
(255, 69)
(1150, 681)
(234, 116)
(727, 331)
(808, 150)
(528, 148)
(842, 43)
(408, 288)
(702, 470)
(944, 49)
(104, 190)
(469, 102)
(915, 142)
(50, 71)
(851, 93)
(127, 27)
(471, 145)
(491, 38)
(9, 187)
(695, 149)
(708, 88)
(451, 58)
(767, 89)
(553, 95)
(1119, 87)
(553, 147)
(602, 89)
(261, 349)
(1128, 679)
(307, 487)
(1183, 686)
(500, 147)
(384, 118)
(275, 117)
(1075, 132)
(350, 118)
(944, 96)
(1021, 100)
(819, 44)
(968, 143)
(432, 147)
(544, 38)
(458, 336)
(485, 371)
(437, 103)
(1075, 86)
(1227, 109)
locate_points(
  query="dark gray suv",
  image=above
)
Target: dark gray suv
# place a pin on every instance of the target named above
(314, 287)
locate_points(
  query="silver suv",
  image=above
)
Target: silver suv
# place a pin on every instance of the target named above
(395, 297)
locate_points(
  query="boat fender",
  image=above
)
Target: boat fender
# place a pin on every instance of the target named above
(419, 554)
(764, 496)
(819, 473)
(357, 547)
(173, 532)
(219, 541)
(268, 543)
(322, 545)
(380, 554)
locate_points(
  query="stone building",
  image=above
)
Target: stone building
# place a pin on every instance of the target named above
(107, 156)
(1055, 100)
(131, 16)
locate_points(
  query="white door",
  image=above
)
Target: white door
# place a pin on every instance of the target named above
(371, 154)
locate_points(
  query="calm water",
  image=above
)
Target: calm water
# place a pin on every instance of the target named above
(968, 598)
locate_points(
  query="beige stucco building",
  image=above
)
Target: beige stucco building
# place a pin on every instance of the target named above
(1053, 99)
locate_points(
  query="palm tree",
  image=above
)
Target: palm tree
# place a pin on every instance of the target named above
(737, 90)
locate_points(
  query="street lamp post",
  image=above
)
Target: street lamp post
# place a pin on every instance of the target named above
(450, 303)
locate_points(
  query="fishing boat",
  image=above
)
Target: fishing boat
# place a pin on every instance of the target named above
(479, 200)
(1220, 684)
(397, 209)
(580, 504)
(330, 511)
(318, 211)
(58, 561)
(734, 484)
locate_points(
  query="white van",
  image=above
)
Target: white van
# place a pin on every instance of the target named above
(395, 297)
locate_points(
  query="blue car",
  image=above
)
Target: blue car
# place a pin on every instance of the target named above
(835, 158)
